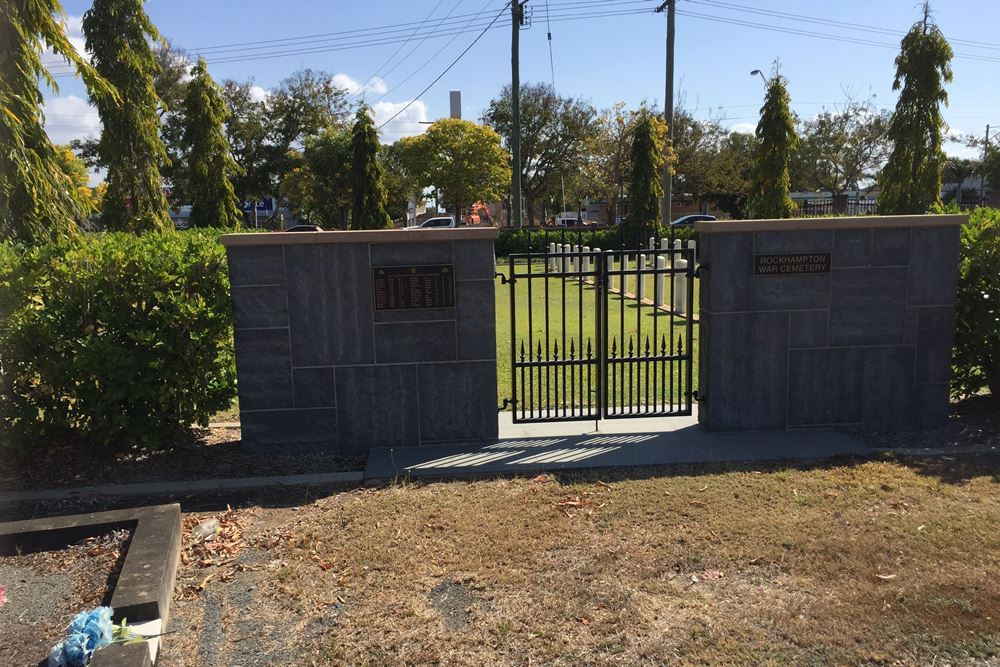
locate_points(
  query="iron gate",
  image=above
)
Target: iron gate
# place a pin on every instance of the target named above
(601, 334)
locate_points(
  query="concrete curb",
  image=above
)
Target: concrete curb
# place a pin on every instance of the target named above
(186, 487)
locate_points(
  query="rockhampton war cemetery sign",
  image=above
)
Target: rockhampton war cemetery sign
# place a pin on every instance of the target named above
(783, 264)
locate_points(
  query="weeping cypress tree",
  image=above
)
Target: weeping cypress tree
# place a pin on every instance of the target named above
(645, 188)
(368, 190)
(911, 180)
(37, 198)
(776, 143)
(118, 34)
(210, 162)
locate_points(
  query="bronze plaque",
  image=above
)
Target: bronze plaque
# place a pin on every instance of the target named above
(408, 287)
(791, 263)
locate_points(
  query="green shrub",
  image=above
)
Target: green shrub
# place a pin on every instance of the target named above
(120, 339)
(976, 355)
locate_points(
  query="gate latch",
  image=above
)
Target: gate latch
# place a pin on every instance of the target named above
(698, 396)
(503, 278)
(697, 270)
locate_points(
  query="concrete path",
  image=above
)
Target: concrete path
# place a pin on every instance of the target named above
(536, 448)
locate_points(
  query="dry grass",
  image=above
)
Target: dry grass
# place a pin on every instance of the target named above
(877, 563)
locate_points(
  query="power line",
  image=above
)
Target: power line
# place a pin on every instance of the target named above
(429, 60)
(448, 68)
(403, 45)
(832, 22)
(377, 37)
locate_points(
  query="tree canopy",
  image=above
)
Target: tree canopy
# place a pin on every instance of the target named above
(462, 160)
(210, 163)
(318, 185)
(911, 179)
(37, 198)
(648, 155)
(776, 143)
(839, 150)
(555, 137)
(367, 188)
(118, 34)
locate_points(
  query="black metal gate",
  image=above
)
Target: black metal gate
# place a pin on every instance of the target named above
(601, 334)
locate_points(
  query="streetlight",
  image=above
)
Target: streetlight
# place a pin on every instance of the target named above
(760, 74)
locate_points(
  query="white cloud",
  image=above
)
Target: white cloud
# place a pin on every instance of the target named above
(259, 94)
(406, 124)
(70, 117)
(743, 128)
(352, 86)
(74, 30)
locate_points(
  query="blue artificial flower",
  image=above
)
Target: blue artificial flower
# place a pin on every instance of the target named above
(71, 652)
(95, 625)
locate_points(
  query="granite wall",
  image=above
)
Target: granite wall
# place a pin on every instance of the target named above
(866, 344)
(320, 370)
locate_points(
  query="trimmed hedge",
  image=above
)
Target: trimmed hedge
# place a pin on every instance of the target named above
(117, 338)
(976, 358)
(609, 238)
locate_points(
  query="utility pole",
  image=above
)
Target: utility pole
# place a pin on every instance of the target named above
(668, 110)
(982, 170)
(517, 15)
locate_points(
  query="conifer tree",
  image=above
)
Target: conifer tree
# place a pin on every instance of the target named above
(38, 200)
(118, 34)
(368, 211)
(645, 188)
(911, 180)
(210, 163)
(776, 143)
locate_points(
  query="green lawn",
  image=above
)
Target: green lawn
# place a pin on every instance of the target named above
(572, 327)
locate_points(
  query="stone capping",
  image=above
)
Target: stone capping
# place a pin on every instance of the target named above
(146, 582)
(362, 236)
(804, 224)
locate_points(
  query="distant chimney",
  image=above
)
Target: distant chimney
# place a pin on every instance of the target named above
(456, 104)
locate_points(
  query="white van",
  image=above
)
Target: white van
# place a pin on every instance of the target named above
(568, 219)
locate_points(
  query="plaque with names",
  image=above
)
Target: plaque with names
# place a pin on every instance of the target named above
(410, 287)
(791, 263)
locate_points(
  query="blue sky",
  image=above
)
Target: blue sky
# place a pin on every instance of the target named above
(601, 58)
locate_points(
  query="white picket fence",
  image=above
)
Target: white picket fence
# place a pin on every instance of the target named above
(574, 262)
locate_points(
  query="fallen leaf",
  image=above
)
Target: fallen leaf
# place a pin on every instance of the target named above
(885, 577)
(830, 494)
(584, 621)
(711, 575)
(698, 503)
(605, 485)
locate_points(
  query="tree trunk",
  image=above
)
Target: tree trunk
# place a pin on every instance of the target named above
(530, 206)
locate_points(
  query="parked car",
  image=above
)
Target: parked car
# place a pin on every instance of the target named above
(437, 223)
(692, 218)
(568, 219)
(303, 228)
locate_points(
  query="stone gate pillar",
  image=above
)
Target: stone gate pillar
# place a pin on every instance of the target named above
(350, 340)
(827, 322)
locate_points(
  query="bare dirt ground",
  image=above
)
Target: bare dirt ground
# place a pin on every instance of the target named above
(46, 589)
(853, 563)
(201, 454)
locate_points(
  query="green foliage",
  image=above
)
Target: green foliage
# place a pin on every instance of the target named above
(400, 185)
(121, 339)
(318, 185)
(367, 188)
(209, 161)
(463, 160)
(840, 150)
(38, 200)
(118, 34)
(556, 133)
(263, 128)
(776, 143)
(911, 180)
(976, 357)
(646, 161)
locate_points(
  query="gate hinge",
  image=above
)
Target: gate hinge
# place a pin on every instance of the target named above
(503, 278)
(697, 270)
(698, 396)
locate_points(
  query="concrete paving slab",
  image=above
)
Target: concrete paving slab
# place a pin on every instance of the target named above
(683, 444)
